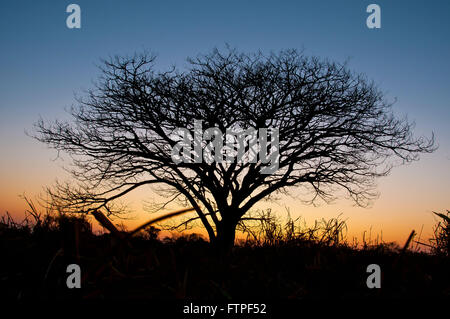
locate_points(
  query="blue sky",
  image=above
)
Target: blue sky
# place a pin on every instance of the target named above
(42, 62)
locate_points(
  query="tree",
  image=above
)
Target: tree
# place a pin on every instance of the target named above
(336, 130)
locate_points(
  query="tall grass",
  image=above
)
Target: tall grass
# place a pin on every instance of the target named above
(441, 235)
(277, 258)
(266, 229)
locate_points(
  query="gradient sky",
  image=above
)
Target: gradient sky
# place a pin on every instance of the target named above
(43, 63)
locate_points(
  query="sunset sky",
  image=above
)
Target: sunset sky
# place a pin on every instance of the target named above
(43, 64)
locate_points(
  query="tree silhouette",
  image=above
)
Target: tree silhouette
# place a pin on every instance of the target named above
(336, 130)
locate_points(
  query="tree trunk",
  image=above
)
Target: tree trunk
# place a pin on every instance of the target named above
(224, 241)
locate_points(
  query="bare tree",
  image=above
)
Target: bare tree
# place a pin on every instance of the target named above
(336, 130)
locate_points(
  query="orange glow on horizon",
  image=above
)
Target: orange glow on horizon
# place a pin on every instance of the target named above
(407, 199)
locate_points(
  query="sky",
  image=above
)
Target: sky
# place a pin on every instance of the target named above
(43, 64)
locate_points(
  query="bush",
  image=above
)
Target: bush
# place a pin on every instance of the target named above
(441, 239)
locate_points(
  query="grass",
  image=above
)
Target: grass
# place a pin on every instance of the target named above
(275, 261)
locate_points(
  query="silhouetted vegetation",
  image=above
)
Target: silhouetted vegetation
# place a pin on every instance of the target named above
(441, 240)
(335, 130)
(275, 260)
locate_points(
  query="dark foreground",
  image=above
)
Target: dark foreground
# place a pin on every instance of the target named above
(34, 267)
